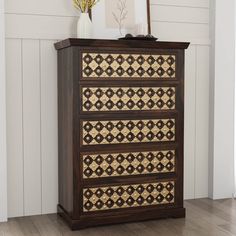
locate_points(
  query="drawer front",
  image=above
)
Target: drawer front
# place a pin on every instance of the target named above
(127, 131)
(128, 196)
(128, 98)
(119, 65)
(128, 164)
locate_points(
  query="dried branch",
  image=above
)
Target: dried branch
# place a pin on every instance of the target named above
(122, 11)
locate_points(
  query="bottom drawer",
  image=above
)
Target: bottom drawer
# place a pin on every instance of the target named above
(128, 196)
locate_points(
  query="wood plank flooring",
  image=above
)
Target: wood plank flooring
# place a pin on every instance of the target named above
(204, 218)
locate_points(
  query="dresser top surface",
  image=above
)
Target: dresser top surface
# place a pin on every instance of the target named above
(70, 42)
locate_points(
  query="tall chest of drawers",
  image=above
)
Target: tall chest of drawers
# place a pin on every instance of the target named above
(121, 120)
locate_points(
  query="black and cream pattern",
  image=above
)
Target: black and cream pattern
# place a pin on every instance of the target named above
(104, 65)
(126, 196)
(126, 164)
(128, 131)
(128, 98)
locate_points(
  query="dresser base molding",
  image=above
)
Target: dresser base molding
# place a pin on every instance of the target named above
(142, 215)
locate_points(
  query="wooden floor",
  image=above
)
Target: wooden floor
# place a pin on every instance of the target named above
(204, 218)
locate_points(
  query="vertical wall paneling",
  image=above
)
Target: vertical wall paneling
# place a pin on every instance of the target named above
(31, 30)
(222, 149)
(189, 123)
(15, 160)
(49, 126)
(3, 141)
(32, 127)
(202, 121)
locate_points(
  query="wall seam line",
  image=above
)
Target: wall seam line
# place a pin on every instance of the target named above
(40, 107)
(38, 14)
(63, 16)
(179, 6)
(57, 40)
(181, 22)
(23, 137)
(35, 39)
(195, 126)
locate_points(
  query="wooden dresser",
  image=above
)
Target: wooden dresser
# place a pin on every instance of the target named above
(121, 121)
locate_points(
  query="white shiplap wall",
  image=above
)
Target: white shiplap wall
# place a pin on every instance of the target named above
(3, 148)
(32, 27)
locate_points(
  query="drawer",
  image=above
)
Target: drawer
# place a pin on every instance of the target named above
(128, 196)
(112, 66)
(114, 98)
(111, 164)
(127, 131)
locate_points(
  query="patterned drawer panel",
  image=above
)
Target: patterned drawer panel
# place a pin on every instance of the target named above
(96, 65)
(125, 196)
(125, 164)
(127, 98)
(127, 131)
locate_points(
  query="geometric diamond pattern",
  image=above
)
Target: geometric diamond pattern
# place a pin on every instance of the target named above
(103, 65)
(128, 98)
(126, 196)
(125, 164)
(128, 131)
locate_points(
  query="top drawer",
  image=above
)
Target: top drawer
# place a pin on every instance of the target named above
(97, 65)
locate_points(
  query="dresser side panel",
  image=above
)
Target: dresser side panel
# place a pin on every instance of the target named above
(180, 130)
(65, 129)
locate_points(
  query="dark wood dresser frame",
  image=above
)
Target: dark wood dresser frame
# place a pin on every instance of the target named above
(99, 192)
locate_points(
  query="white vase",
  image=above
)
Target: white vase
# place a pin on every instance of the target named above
(84, 26)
